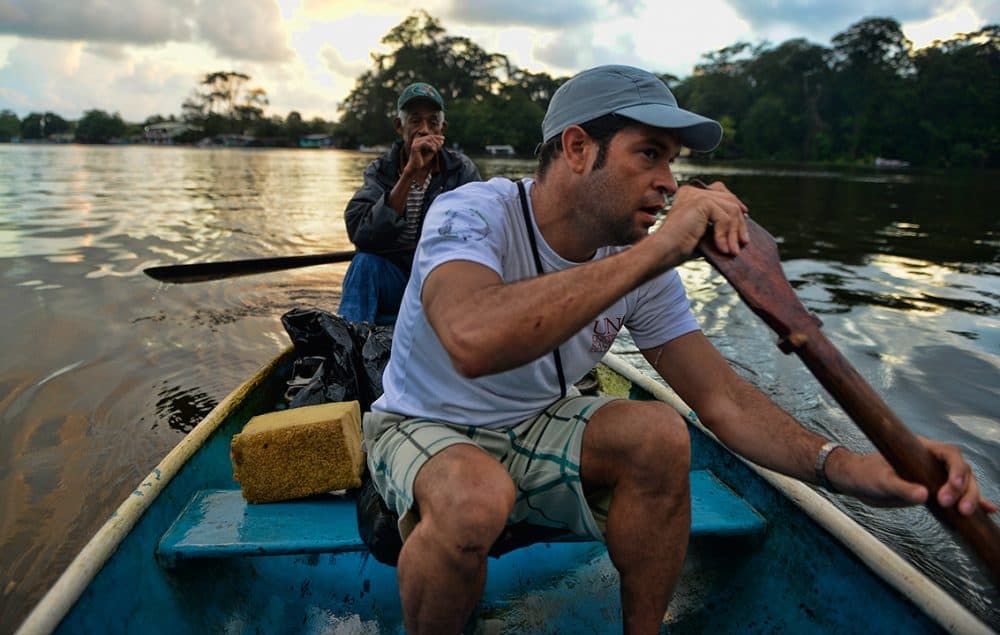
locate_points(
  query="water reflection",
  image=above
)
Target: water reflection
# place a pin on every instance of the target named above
(849, 218)
(104, 369)
(182, 408)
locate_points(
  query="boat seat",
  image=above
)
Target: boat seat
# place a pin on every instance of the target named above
(219, 523)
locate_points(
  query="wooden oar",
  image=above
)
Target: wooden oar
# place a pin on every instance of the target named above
(757, 276)
(204, 271)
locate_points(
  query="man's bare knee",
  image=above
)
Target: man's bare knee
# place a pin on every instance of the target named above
(642, 442)
(467, 498)
(658, 454)
(664, 444)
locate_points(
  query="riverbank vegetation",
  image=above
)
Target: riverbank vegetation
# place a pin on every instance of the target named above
(868, 95)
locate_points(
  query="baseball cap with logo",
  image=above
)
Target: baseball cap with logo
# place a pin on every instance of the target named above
(630, 92)
(419, 90)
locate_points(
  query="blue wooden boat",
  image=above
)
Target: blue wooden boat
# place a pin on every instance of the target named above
(185, 554)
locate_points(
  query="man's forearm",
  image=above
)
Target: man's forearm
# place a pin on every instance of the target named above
(743, 418)
(761, 431)
(492, 327)
(396, 198)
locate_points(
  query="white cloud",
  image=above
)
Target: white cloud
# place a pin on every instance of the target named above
(666, 41)
(149, 79)
(139, 22)
(69, 78)
(244, 29)
(338, 65)
(582, 48)
(657, 37)
(240, 29)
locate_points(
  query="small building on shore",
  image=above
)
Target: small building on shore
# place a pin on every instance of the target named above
(882, 162)
(316, 141)
(165, 132)
(500, 150)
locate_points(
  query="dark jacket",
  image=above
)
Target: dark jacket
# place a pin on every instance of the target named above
(373, 226)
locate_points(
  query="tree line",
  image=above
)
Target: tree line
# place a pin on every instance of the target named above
(869, 94)
(222, 105)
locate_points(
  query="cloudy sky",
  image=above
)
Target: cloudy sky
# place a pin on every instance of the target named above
(144, 57)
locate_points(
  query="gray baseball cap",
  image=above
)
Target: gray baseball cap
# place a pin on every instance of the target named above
(630, 92)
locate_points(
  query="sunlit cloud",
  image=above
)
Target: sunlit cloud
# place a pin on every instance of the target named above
(942, 26)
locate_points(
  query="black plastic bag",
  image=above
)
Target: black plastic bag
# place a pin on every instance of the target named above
(377, 524)
(353, 354)
(375, 356)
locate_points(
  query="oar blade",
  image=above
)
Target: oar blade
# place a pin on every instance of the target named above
(758, 277)
(205, 271)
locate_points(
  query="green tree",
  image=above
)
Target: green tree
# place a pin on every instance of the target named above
(871, 92)
(224, 104)
(456, 66)
(269, 131)
(318, 125)
(295, 128)
(538, 87)
(765, 132)
(252, 107)
(223, 90)
(721, 87)
(868, 95)
(97, 126)
(10, 125)
(194, 109)
(788, 83)
(42, 125)
(958, 93)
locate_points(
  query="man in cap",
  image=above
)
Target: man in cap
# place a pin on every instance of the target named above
(385, 216)
(518, 289)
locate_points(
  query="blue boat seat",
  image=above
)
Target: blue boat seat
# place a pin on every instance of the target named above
(219, 523)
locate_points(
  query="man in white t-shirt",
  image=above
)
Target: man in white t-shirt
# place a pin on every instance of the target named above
(517, 291)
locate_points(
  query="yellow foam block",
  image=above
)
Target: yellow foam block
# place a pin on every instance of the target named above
(299, 452)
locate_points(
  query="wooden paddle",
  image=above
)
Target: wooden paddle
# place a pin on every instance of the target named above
(204, 271)
(757, 276)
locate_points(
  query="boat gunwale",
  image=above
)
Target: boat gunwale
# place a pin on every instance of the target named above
(896, 571)
(59, 599)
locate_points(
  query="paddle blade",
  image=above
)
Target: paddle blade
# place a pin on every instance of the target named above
(758, 277)
(205, 271)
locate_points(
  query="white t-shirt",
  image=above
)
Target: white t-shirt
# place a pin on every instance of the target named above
(482, 222)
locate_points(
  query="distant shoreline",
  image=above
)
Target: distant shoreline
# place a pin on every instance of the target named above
(875, 164)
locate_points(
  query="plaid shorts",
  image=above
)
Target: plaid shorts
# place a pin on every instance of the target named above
(541, 454)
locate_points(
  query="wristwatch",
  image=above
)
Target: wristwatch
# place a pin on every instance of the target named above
(820, 467)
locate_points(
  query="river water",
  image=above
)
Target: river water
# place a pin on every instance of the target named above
(104, 370)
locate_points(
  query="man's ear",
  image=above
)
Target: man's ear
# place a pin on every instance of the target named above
(397, 123)
(444, 126)
(576, 148)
